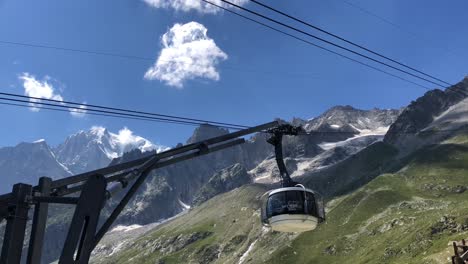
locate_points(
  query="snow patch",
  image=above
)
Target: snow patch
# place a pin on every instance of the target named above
(117, 248)
(109, 153)
(303, 167)
(123, 228)
(64, 167)
(246, 253)
(376, 131)
(380, 131)
(453, 118)
(39, 140)
(263, 172)
(184, 205)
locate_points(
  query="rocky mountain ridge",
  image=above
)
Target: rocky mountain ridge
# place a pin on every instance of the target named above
(420, 113)
(254, 155)
(349, 119)
(403, 201)
(168, 190)
(97, 147)
(28, 161)
(80, 152)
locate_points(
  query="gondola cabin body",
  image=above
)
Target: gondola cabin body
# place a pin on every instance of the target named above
(292, 209)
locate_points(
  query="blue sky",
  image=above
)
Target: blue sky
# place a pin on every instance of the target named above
(264, 75)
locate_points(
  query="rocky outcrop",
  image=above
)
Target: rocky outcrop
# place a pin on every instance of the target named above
(223, 181)
(206, 131)
(420, 113)
(349, 119)
(26, 163)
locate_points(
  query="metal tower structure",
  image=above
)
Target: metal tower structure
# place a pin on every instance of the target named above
(92, 190)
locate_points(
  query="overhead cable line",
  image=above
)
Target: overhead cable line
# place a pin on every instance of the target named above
(84, 111)
(461, 93)
(347, 41)
(393, 24)
(141, 58)
(89, 106)
(249, 70)
(151, 59)
(323, 40)
(76, 50)
(51, 107)
(317, 46)
(232, 68)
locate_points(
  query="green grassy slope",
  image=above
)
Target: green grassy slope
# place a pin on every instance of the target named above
(405, 217)
(219, 230)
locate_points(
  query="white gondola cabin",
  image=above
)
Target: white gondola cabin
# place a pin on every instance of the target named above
(292, 209)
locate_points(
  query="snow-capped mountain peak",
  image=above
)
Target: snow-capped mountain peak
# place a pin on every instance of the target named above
(349, 119)
(95, 148)
(80, 152)
(125, 141)
(98, 131)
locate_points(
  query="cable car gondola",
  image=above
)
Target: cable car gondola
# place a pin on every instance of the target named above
(291, 208)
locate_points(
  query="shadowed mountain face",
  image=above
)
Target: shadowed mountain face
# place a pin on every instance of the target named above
(26, 162)
(421, 113)
(205, 132)
(223, 181)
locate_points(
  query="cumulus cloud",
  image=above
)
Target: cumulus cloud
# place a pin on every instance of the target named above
(189, 5)
(116, 144)
(126, 137)
(43, 89)
(126, 141)
(187, 53)
(40, 89)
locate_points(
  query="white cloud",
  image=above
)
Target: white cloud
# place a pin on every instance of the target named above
(39, 89)
(187, 53)
(79, 112)
(44, 89)
(127, 141)
(189, 5)
(115, 144)
(126, 137)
